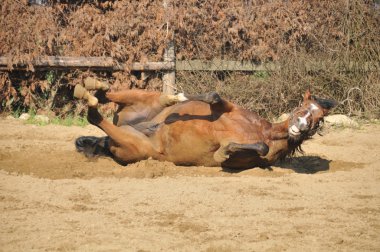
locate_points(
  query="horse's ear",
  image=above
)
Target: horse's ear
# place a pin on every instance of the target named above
(326, 104)
(307, 96)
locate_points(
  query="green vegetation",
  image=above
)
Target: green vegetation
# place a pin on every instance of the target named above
(65, 121)
(260, 75)
(50, 77)
(70, 121)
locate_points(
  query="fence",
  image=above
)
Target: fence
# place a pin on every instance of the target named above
(169, 66)
(215, 45)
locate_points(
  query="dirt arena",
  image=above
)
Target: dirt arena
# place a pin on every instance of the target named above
(54, 199)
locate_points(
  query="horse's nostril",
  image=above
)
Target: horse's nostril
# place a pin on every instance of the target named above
(302, 124)
(303, 127)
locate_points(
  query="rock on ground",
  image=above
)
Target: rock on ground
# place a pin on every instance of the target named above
(42, 118)
(24, 116)
(340, 120)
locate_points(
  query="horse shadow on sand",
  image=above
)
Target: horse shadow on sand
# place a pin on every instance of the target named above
(299, 164)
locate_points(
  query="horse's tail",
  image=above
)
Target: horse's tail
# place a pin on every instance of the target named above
(93, 146)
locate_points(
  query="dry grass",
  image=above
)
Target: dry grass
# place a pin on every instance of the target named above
(325, 36)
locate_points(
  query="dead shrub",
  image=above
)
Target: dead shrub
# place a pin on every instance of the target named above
(314, 42)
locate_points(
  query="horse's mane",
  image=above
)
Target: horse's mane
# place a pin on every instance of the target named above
(294, 145)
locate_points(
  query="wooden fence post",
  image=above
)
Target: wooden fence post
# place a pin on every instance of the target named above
(169, 76)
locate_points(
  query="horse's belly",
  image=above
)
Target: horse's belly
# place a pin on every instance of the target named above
(190, 155)
(185, 144)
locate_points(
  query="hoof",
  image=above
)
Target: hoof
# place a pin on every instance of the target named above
(212, 98)
(221, 155)
(92, 101)
(94, 84)
(79, 91)
(168, 100)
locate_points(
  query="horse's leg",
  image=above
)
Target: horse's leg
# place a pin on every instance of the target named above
(133, 96)
(94, 84)
(210, 98)
(225, 151)
(81, 93)
(215, 101)
(127, 144)
(127, 97)
(136, 106)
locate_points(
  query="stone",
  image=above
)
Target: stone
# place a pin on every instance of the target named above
(340, 120)
(24, 116)
(9, 117)
(42, 118)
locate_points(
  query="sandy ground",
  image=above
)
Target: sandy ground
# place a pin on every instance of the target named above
(54, 199)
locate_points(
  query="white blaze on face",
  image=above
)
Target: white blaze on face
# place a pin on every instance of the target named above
(313, 107)
(302, 120)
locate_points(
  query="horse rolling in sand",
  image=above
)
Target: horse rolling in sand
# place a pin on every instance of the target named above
(194, 129)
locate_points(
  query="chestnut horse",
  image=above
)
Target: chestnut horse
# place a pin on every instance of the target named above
(196, 130)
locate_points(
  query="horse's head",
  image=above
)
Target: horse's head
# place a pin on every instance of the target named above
(306, 119)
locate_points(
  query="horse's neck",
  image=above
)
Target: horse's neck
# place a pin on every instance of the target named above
(278, 141)
(279, 131)
(281, 142)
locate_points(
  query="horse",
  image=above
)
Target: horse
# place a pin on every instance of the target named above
(200, 130)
